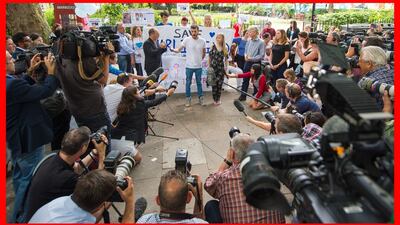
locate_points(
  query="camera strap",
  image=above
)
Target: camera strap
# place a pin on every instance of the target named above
(175, 216)
(81, 69)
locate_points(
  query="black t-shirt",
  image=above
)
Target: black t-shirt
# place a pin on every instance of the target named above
(54, 178)
(278, 52)
(85, 97)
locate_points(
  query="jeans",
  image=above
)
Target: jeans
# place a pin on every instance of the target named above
(95, 122)
(124, 63)
(212, 213)
(246, 81)
(278, 73)
(189, 75)
(22, 175)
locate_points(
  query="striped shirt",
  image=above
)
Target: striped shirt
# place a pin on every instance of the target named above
(227, 187)
(255, 49)
(155, 218)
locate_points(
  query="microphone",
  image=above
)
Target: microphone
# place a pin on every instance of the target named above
(163, 78)
(239, 106)
(148, 84)
(157, 73)
(152, 77)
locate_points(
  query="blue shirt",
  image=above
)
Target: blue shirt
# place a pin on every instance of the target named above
(113, 70)
(255, 49)
(62, 210)
(304, 104)
(241, 46)
(125, 45)
(161, 24)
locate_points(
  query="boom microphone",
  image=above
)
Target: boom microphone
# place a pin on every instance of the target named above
(148, 84)
(157, 73)
(239, 106)
(152, 78)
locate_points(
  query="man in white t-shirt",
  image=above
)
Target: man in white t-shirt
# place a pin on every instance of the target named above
(195, 52)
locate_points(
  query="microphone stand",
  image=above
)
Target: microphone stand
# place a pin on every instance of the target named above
(259, 100)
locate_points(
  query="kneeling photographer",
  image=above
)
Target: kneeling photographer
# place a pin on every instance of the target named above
(88, 201)
(226, 186)
(58, 174)
(174, 193)
(132, 114)
(283, 123)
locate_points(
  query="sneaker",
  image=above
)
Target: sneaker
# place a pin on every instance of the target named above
(201, 101)
(242, 98)
(188, 101)
(140, 207)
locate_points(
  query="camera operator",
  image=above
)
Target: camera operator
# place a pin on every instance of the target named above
(58, 175)
(226, 186)
(373, 64)
(88, 201)
(333, 38)
(132, 113)
(173, 194)
(284, 123)
(23, 43)
(313, 125)
(84, 94)
(28, 124)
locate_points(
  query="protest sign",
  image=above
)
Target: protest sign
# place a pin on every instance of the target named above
(138, 17)
(182, 7)
(174, 64)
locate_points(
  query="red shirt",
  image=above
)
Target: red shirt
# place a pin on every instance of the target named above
(236, 26)
(271, 31)
(262, 83)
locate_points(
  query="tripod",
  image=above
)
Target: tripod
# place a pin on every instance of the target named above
(106, 214)
(151, 118)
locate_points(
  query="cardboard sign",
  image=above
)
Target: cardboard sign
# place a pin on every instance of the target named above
(138, 17)
(182, 7)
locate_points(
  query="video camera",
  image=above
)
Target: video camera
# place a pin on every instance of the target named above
(183, 165)
(23, 60)
(78, 44)
(348, 180)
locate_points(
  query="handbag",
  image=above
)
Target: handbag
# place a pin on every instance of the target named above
(211, 79)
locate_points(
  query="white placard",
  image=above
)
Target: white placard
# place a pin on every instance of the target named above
(225, 23)
(182, 7)
(174, 64)
(138, 17)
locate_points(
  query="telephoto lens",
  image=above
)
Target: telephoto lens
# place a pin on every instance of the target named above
(270, 117)
(123, 169)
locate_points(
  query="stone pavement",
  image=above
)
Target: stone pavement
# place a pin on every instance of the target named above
(202, 130)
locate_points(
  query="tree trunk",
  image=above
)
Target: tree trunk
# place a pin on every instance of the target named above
(27, 18)
(330, 8)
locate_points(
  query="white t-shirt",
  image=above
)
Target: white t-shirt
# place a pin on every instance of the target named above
(112, 96)
(138, 46)
(194, 51)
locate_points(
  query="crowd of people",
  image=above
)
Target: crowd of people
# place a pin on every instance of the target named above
(61, 190)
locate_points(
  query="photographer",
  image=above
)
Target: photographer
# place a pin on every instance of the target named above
(23, 43)
(313, 125)
(132, 114)
(29, 127)
(301, 103)
(58, 175)
(226, 186)
(173, 194)
(373, 64)
(88, 201)
(284, 123)
(83, 88)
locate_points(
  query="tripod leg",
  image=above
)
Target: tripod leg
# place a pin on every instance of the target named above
(106, 216)
(118, 212)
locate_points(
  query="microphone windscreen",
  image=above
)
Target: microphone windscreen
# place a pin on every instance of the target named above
(157, 73)
(152, 77)
(239, 106)
(164, 77)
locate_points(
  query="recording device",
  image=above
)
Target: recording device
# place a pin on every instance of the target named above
(298, 115)
(23, 60)
(373, 87)
(317, 37)
(183, 165)
(120, 165)
(154, 76)
(78, 44)
(270, 117)
(174, 85)
(239, 106)
(233, 132)
(97, 135)
(348, 180)
(147, 85)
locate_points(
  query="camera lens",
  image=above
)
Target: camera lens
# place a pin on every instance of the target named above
(124, 167)
(270, 117)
